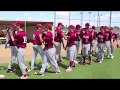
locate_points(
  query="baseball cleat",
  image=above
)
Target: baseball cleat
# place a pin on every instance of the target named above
(56, 73)
(100, 61)
(30, 70)
(2, 76)
(112, 57)
(108, 56)
(23, 77)
(9, 71)
(68, 69)
(76, 62)
(37, 73)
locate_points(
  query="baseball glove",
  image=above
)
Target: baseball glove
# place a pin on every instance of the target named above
(117, 46)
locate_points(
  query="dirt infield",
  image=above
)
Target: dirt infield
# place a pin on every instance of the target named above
(5, 54)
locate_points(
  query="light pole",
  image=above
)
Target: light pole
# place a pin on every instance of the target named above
(110, 18)
(89, 16)
(81, 18)
(99, 19)
(54, 19)
(69, 17)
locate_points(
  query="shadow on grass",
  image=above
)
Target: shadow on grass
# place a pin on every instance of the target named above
(3, 68)
(62, 65)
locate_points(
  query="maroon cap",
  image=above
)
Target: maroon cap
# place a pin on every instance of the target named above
(87, 24)
(60, 23)
(111, 28)
(13, 25)
(47, 25)
(93, 27)
(105, 27)
(78, 25)
(39, 25)
(71, 27)
(102, 27)
(19, 23)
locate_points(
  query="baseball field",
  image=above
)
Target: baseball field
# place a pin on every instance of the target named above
(107, 70)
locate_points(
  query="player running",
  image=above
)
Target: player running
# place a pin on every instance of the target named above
(21, 42)
(37, 48)
(87, 39)
(57, 42)
(100, 44)
(12, 47)
(71, 48)
(48, 52)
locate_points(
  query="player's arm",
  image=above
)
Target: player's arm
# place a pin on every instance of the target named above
(111, 39)
(11, 36)
(41, 40)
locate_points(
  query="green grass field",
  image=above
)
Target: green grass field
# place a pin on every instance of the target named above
(109, 69)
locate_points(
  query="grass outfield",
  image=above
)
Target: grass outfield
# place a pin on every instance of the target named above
(109, 69)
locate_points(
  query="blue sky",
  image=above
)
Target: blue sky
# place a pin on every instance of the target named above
(75, 16)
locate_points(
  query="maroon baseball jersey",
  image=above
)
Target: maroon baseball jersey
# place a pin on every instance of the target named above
(36, 38)
(48, 39)
(114, 36)
(108, 35)
(87, 38)
(101, 37)
(71, 39)
(58, 35)
(11, 43)
(21, 39)
(77, 35)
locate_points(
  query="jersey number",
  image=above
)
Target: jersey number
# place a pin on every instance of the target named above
(25, 39)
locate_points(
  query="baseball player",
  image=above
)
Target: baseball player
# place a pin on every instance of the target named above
(71, 48)
(77, 38)
(58, 39)
(100, 44)
(94, 33)
(37, 48)
(114, 37)
(21, 42)
(12, 47)
(87, 39)
(48, 52)
(108, 41)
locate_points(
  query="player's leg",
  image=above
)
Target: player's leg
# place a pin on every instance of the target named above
(101, 52)
(23, 68)
(77, 44)
(97, 51)
(72, 57)
(35, 52)
(89, 53)
(58, 51)
(51, 57)
(83, 54)
(44, 64)
(11, 60)
(109, 49)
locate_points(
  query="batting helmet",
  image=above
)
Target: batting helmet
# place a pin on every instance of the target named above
(38, 25)
(20, 23)
(13, 25)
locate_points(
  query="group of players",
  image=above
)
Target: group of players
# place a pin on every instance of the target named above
(87, 37)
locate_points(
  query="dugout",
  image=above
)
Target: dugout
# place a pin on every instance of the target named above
(29, 27)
